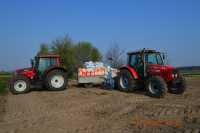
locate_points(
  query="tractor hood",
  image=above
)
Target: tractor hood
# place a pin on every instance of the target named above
(19, 71)
(27, 72)
(158, 68)
(167, 72)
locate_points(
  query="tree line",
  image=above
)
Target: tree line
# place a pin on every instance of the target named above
(73, 55)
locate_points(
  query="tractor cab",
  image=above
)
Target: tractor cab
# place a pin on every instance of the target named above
(43, 62)
(143, 59)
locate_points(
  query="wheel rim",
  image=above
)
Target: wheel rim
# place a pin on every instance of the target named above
(20, 85)
(57, 81)
(124, 82)
(153, 88)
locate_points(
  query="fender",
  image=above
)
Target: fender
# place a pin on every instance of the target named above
(131, 70)
(51, 68)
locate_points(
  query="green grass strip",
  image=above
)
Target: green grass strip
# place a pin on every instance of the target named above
(2, 87)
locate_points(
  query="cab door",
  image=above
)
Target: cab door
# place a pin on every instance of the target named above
(44, 64)
(136, 62)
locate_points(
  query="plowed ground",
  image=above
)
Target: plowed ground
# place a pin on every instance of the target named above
(94, 110)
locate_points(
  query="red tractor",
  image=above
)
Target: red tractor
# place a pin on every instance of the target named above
(46, 71)
(146, 68)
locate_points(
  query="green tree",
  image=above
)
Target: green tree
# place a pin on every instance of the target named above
(64, 47)
(85, 51)
(96, 55)
(44, 49)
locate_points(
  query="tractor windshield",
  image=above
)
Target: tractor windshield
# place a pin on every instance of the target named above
(153, 58)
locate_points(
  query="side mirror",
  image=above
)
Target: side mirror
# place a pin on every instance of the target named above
(32, 63)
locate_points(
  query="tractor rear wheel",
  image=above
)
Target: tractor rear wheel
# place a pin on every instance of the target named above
(19, 85)
(126, 81)
(156, 87)
(178, 86)
(56, 80)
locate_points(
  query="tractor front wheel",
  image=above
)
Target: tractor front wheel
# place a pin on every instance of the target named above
(56, 80)
(156, 87)
(178, 86)
(19, 84)
(126, 82)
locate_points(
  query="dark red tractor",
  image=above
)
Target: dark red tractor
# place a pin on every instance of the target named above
(46, 71)
(146, 68)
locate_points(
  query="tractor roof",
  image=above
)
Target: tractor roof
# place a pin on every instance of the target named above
(143, 51)
(49, 55)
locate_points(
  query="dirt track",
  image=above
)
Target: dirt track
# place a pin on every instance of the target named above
(93, 110)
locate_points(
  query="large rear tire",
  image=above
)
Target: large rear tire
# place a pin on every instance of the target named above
(178, 86)
(126, 81)
(156, 87)
(56, 80)
(19, 85)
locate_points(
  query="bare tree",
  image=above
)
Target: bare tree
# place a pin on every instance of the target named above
(115, 56)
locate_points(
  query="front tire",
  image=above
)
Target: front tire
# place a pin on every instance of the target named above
(19, 85)
(126, 82)
(178, 86)
(156, 87)
(56, 80)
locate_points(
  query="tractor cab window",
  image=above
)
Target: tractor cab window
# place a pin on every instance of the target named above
(153, 58)
(159, 59)
(52, 61)
(44, 63)
(135, 60)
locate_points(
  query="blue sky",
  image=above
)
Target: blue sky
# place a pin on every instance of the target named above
(172, 26)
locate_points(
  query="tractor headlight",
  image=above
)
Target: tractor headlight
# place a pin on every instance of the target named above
(172, 75)
(175, 73)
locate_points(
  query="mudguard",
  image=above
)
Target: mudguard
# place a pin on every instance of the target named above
(51, 68)
(131, 70)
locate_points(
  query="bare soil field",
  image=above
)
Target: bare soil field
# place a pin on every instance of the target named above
(94, 110)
